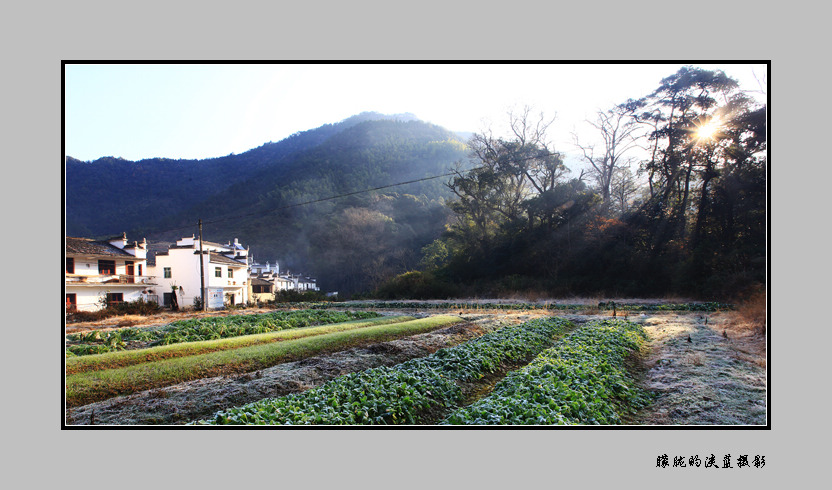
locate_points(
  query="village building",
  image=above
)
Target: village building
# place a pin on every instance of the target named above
(261, 290)
(225, 269)
(303, 283)
(100, 273)
(266, 280)
(284, 284)
(257, 268)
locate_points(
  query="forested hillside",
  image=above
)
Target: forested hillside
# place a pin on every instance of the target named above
(350, 244)
(106, 195)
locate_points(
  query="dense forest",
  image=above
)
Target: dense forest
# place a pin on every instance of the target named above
(672, 200)
(692, 220)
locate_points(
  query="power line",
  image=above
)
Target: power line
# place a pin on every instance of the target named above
(330, 198)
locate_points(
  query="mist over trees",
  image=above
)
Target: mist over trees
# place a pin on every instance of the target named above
(696, 225)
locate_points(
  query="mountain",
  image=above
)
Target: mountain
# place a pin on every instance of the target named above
(350, 244)
(98, 192)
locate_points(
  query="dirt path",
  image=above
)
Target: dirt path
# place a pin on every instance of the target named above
(702, 373)
(199, 399)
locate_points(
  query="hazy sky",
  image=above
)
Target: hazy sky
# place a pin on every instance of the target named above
(202, 111)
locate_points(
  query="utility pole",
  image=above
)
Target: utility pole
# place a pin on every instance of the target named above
(201, 270)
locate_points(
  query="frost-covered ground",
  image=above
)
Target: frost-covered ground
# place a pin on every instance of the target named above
(703, 373)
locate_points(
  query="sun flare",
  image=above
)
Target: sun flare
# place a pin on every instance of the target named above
(708, 130)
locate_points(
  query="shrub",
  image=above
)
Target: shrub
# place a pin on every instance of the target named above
(291, 296)
(751, 310)
(138, 307)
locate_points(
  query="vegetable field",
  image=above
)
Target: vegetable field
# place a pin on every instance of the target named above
(194, 330)
(97, 384)
(410, 393)
(493, 364)
(582, 380)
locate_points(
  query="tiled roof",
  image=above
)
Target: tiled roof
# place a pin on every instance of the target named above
(206, 243)
(222, 259)
(256, 281)
(87, 246)
(151, 257)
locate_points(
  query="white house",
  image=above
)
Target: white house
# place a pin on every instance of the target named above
(105, 272)
(303, 283)
(256, 268)
(295, 282)
(225, 272)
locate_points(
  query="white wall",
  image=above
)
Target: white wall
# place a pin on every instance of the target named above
(185, 272)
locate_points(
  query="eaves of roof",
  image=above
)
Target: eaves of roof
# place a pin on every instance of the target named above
(86, 246)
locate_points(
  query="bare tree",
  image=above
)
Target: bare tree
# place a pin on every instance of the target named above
(507, 173)
(623, 188)
(619, 133)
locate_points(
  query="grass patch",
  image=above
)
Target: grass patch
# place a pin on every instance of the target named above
(706, 381)
(119, 359)
(83, 388)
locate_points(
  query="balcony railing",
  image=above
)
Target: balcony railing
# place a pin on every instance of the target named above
(110, 279)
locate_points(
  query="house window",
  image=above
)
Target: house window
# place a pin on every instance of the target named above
(230, 273)
(218, 272)
(71, 302)
(167, 272)
(106, 267)
(114, 298)
(140, 269)
(70, 265)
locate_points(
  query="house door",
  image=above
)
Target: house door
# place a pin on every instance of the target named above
(131, 271)
(167, 299)
(71, 302)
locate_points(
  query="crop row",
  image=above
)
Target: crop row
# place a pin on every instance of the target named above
(409, 393)
(606, 306)
(210, 328)
(124, 358)
(95, 385)
(582, 380)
